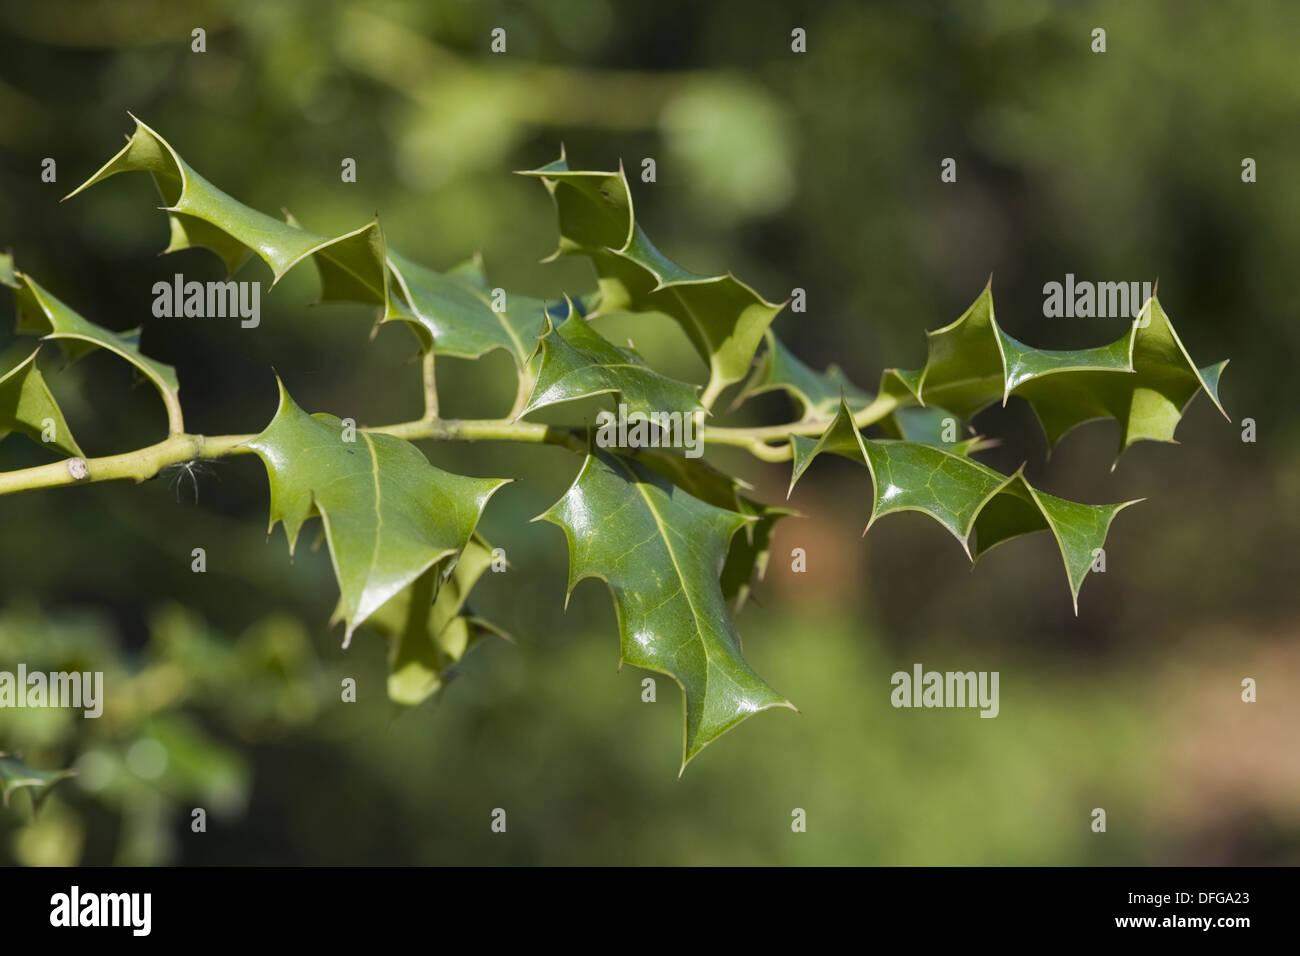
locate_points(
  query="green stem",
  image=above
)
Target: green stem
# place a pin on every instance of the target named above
(138, 465)
(175, 418)
(711, 392)
(757, 441)
(146, 462)
(448, 429)
(524, 389)
(430, 388)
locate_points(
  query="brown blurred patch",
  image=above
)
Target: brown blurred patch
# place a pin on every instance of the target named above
(1230, 780)
(830, 533)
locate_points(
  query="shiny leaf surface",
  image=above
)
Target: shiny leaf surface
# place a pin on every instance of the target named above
(578, 362)
(660, 551)
(970, 499)
(388, 514)
(723, 317)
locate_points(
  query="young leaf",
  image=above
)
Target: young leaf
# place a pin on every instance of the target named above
(454, 310)
(42, 313)
(660, 550)
(388, 514)
(428, 635)
(818, 393)
(25, 400)
(16, 775)
(1144, 380)
(578, 362)
(964, 496)
(724, 319)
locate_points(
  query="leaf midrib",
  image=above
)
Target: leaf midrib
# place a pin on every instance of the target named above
(379, 516)
(681, 577)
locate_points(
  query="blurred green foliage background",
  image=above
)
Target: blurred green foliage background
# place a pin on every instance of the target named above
(818, 170)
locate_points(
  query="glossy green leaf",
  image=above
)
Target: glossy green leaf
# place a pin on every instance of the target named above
(695, 476)
(452, 309)
(724, 318)
(1144, 380)
(679, 543)
(455, 311)
(351, 266)
(25, 400)
(388, 514)
(429, 626)
(578, 362)
(746, 561)
(817, 393)
(970, 499)
(16, 775)
(45, 315)
(660, 551)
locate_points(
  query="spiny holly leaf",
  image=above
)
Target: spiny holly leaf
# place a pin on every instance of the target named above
(16, 775)
(660, 551)
(578, 362)
(1148, 405)
(388, 514)
(747, 556)
(25, 400)
(430, 629)
(818, 393)
(452, 309)
(42, 313)
(1144, 380)
(695, 476)
(964, 496)
(351, 266)
(723, 318)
